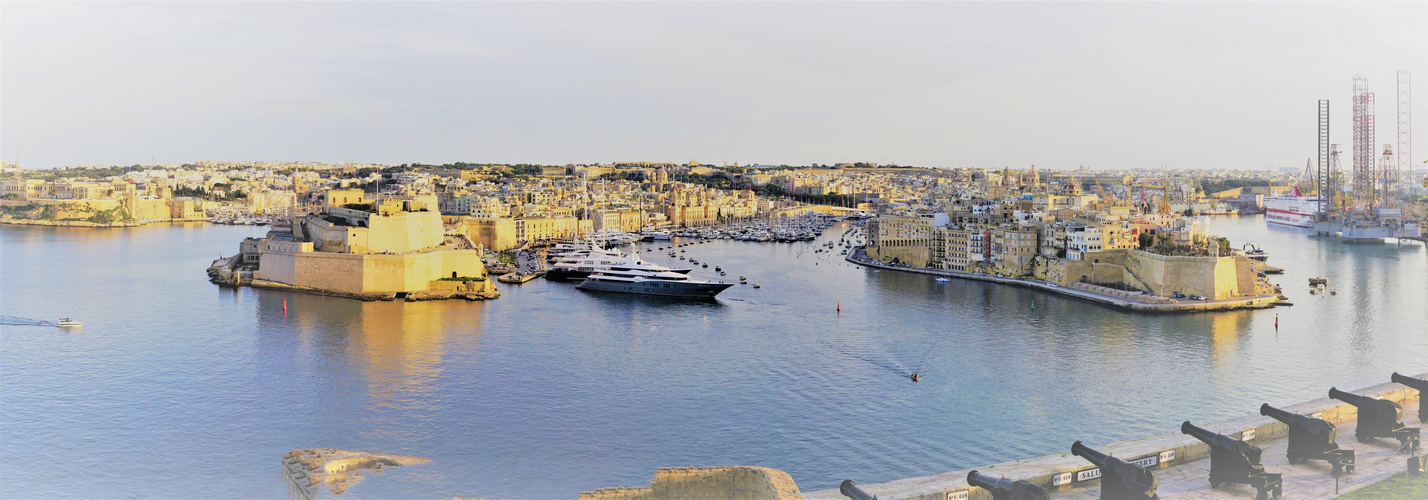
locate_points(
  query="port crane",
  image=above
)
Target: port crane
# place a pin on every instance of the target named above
(1164, 206)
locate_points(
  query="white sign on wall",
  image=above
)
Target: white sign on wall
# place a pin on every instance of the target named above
(1147, 462)
(1247, 435)
(957, 495)
(1088, 474)
(1060, 479)
(1167, 456)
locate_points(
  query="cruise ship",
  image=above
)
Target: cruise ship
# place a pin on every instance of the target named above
(639, 277)
(1293, 210)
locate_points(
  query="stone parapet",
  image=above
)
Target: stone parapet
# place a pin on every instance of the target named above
(701, 483)
(1063, 471)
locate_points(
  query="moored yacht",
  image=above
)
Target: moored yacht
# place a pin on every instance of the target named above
(576, 265)
(639, 277)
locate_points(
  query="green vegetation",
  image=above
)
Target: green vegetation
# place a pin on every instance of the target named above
(1164, 244)
(91, 172)
(623, 176)
(115, 214)
(1401, 486)
(201, 193)
(20, 211)
(506, 258)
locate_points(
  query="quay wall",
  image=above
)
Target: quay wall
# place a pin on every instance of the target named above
(1123, 301)
(1063, 471)
(367, 273)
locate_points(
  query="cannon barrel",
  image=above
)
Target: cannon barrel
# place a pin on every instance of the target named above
(1276, 413)
(851, 490)
(1007, 489)
(1200, 433)
(1086, 452)
(1353, 399)
(1416, 383)
(988, 483)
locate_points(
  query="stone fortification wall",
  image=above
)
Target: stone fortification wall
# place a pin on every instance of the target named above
(917, 256)
(1214, 277)
(1121, 294)
(396, 233)
(368, 273)
(54, 209)
(404, 232)
(707, 483)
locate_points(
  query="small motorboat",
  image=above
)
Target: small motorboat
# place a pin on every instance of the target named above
(756, 285)
(68, 323)
(944, 280)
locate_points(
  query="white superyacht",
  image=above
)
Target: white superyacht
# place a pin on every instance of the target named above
(640, 277)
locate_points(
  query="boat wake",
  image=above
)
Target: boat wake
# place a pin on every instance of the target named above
(881, 360)
(21, 321)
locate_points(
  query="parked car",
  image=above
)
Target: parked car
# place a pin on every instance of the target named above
(1178, 295)
(1196, 297)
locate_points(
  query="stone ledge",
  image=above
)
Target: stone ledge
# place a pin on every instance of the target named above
(1051, 471)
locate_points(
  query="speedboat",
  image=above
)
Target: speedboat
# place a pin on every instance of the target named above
(68, 323)
(943, 279)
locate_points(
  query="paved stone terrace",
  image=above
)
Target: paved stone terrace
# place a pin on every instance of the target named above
(1184, 464)
(1375, 460)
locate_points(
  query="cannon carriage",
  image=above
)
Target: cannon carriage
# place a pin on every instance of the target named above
(1312, 439)
(1233, 461)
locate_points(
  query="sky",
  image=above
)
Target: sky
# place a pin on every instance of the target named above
(958, 84)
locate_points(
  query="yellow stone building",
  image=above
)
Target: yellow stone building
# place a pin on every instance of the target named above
(398, 247)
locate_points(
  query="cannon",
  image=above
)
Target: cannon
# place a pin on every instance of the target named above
(1119, 480)
(1312, 439)
(1233, 461)
(851, 490)
(1379, 418)
(1422, 386)
(1007, 489)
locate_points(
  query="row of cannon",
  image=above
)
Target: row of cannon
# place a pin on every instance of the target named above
(1232, 461)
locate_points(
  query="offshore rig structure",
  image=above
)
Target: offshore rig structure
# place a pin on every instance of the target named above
(1371, 205)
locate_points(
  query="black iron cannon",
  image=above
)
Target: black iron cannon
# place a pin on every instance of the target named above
(1233, 461)
(1007, 489)
(1422, 386)
(1119, 480)
(851, 490)
(1312, 439)
(1379, 418)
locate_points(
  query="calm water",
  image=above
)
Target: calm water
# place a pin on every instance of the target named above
(179, 388)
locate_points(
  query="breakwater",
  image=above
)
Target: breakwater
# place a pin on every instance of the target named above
(1090, 293)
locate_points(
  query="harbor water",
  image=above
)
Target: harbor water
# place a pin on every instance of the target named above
(177, 388)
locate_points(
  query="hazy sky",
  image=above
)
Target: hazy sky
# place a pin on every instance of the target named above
(1107, 85)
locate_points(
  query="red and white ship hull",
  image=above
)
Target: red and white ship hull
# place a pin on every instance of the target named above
(1296, 211)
